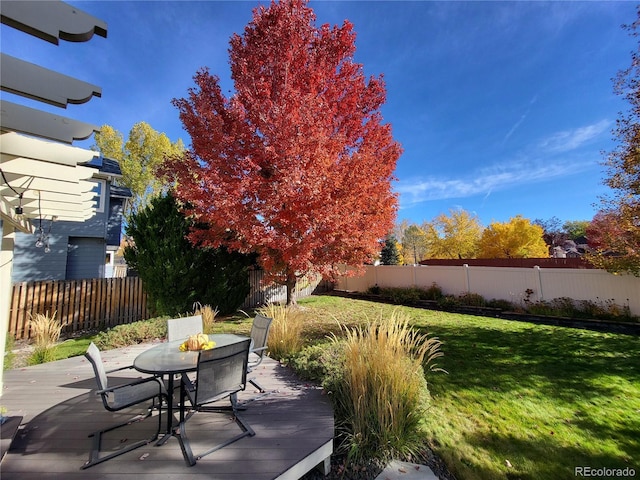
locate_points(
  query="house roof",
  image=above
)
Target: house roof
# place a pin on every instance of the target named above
(105, 165)
(118, 191)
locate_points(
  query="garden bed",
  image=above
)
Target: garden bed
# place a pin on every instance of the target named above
(627, 328)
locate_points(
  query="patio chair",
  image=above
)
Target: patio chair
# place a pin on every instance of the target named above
(221, 373)
(119, 397)
(259, 336)
(181, 328)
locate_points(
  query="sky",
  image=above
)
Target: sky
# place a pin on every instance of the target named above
(502, 108)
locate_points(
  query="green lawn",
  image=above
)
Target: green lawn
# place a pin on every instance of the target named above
(520, 400)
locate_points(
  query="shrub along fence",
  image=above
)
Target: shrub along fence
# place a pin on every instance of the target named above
(100, 303)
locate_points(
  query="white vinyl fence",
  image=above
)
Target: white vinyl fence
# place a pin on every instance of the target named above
(505, 283)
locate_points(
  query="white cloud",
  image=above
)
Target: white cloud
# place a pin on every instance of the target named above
(484, 181)
(568, 140)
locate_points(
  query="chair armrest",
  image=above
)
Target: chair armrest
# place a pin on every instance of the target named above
(259, 349)
(128, 367)
(135, 382)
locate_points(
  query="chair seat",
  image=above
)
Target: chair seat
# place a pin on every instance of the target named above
(136, 393)
(143, 390)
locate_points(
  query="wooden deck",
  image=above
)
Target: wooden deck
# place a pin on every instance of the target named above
(293, 424)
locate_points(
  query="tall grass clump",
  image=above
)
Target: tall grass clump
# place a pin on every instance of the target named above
(384, 395)
(208, 315)
(45, 330)
(285, 334)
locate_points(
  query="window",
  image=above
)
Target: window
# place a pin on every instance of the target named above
(100, 189)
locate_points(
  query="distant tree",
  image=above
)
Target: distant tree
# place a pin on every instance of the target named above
(297, 164)
(575, 229)
(414, 244)
(389, 254)
(176, 273)
(553, 233)
(517, 238)
(610, 237)
(453, 236)
(139, 158)
(623, 177)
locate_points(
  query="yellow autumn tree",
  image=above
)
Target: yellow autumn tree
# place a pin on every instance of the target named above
(139, 157)
(414, 244)
(453, 236)
(517, 238)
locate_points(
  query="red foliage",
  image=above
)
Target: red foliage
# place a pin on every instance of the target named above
(297, 164)
(607, 232)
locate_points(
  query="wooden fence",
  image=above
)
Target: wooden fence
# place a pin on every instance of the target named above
(101, 303)
(79, 304)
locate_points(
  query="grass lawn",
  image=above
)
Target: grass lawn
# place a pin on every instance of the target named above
(520, 400)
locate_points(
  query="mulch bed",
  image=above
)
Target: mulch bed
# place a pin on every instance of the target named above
(369, 471)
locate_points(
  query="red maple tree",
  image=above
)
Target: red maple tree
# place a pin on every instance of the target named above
(296, 165)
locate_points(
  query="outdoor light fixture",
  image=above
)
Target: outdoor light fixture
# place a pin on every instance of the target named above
(18, 210)
(43, 238)
(40, 240)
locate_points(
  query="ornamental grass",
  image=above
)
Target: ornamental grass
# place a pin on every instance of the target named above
(45, 331)
(384, 393)
(285, 334)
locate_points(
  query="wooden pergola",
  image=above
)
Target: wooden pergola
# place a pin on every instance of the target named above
(43, 175)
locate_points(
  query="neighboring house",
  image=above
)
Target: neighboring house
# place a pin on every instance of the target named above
(62, 250)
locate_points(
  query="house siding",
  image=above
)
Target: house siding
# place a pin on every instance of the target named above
(114, 222)
(85, 258)
(87, 240)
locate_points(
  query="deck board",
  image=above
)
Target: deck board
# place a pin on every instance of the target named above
(293, 424)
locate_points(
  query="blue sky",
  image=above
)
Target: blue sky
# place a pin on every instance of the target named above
(502, 108)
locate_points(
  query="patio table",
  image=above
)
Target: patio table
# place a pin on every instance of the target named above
(167, 359)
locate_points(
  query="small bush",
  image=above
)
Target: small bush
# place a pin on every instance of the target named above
(407, 296)
(434, 292)
(285, 334)
(375, 290)
(471, 300)
(132, 333)
(322, 363)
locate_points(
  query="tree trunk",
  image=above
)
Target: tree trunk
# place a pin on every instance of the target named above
(291, 286)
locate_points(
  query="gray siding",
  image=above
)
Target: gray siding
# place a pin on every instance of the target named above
(31, 263)
(114, 222)
(85, 258)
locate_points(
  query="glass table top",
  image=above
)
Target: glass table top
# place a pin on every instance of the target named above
(167, 357)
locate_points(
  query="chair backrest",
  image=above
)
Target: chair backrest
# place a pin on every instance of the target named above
(222, 371)
(93, 355)
(181, 328)
(260, 334)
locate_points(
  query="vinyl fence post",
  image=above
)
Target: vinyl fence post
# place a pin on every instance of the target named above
(467, 282)
(539, 278)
